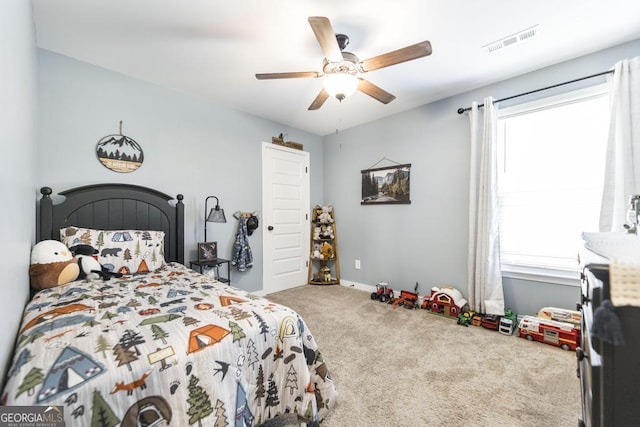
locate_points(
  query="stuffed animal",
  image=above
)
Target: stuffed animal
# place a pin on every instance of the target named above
(326, 231)
(51, 265)
(90, 268)
(325, 216)
(317, 254)
(330, 231)
(327, 251)
(316, 233)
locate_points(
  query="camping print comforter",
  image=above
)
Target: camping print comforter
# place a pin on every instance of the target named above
(174, 347)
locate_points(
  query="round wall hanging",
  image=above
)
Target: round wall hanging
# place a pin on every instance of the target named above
(119, 153)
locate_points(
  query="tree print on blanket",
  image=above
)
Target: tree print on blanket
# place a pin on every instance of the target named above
(131, 338)
(264, 327)
(237, 332)
(292, 380)
(199, 403)
(124, 356)
(108, 315)
(102, 415)
(159, 333)
(252, 354)
(221, 416)
(272, 394)
(260, 391)
(102, 345)
(240, 314)
(188, 321)
(30, 381)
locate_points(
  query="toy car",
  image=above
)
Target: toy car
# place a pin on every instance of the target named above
(491, 321)
(407, 300)
(383, 292)
(464, 319)
(506, 326)
(476, 319)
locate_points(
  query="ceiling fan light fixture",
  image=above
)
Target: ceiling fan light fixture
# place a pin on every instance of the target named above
(340, 85)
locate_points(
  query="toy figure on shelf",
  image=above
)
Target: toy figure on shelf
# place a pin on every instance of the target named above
(325, 274)
(327, 250)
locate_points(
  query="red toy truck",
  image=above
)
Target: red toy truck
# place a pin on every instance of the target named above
(561, 334)
(383, 292)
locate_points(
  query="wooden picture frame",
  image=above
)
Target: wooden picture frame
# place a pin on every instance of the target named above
(386, 185)
(207, 251)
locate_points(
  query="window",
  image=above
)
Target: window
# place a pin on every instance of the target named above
(551, 156)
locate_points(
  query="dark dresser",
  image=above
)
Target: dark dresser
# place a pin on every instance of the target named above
(609, 375)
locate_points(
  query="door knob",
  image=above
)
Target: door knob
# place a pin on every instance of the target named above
(270, 227)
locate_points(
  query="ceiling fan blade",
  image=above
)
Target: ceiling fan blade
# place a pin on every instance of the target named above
(408, 53)
(323, 30)
(317, 103)
(365, 86)
(294, 75)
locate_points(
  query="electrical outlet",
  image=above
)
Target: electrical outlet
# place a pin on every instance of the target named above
(357, 264)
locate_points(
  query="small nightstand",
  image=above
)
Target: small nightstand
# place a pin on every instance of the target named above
(214, 263)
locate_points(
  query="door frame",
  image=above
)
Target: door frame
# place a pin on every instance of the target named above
(266, 213)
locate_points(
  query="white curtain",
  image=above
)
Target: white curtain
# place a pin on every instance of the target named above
(622, 170)
(483, 268)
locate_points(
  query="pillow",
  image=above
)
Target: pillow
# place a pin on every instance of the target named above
(122, 251)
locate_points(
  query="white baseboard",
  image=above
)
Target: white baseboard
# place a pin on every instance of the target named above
(346, 283)
(359, 286)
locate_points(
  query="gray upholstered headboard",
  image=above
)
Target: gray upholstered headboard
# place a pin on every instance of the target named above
(115, 207)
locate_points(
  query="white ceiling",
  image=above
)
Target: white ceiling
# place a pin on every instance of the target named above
(213, 48)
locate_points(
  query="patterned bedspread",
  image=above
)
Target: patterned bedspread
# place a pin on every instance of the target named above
(168, 347)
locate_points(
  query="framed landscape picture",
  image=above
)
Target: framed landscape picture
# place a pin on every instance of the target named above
(386, 185)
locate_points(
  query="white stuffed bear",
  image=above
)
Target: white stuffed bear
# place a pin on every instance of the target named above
(325, 216)
(316, 233)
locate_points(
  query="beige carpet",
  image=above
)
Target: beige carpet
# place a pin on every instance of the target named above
(400, 367)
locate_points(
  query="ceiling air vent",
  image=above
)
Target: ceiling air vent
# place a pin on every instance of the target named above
(512, 39)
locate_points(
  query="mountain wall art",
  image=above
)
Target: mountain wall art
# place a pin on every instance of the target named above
(119, 153)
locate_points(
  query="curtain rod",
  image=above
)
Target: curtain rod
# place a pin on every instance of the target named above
(462, 110)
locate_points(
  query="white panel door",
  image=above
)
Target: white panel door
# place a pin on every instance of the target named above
(285, 207)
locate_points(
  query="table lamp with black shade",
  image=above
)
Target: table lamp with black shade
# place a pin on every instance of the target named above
(214, 215)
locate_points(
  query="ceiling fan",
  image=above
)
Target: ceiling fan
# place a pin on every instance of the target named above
(342, 70)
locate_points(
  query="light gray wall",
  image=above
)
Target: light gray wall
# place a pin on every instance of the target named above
(426, 241)
(190, 147)
(200, 149)
(18, 126)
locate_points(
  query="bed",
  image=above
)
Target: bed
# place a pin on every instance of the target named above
(162, 344)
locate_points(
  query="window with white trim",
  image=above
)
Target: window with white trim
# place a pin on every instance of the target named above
(551, 156)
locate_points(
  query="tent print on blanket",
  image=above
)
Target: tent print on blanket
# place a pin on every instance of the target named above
(206, 336)
(244, 417)
(226, 300)
(70, 370)
(122, 237)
